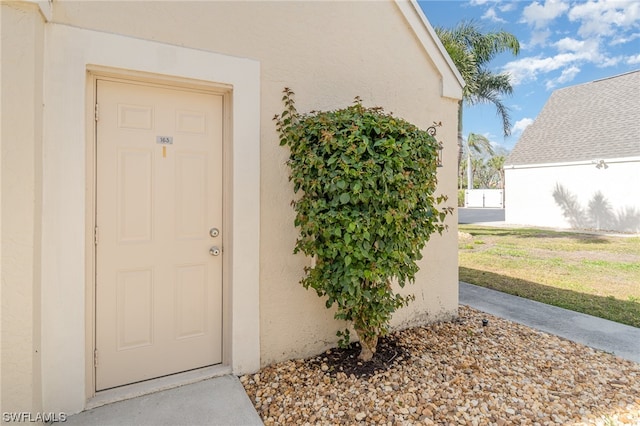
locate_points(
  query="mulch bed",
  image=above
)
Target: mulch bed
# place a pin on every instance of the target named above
(345, 360)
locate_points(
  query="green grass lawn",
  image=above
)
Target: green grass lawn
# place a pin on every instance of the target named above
(594, 274)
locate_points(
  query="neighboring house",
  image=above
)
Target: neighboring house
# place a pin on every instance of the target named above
(146, 220)
(578, 164)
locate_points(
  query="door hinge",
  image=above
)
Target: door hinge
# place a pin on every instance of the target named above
(97, 113)
(95, 358)
(95, 235)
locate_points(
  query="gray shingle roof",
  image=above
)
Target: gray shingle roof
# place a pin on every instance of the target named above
(595, 120)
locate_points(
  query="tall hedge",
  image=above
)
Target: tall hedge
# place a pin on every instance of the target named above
(366, 208)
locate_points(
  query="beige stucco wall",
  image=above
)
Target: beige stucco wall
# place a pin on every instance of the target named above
(328, 52)
(304, 46)
(21, 87)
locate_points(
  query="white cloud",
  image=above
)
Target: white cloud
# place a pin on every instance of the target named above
(609, 62)
(632, 60)
(539, 37)
(539, 15)
(569, 44)
(572, 53)
(567, 75)
(527, 69)
(520, 125)
(588, 49)
(602, 17)
(507, 7)
(622, 40)
(491, 15)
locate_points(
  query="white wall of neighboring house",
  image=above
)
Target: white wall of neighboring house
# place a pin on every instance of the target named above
(575, 195)
(338, 52)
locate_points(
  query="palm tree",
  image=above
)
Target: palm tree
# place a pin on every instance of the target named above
(471, 50)
(496, 164)
(478, 143)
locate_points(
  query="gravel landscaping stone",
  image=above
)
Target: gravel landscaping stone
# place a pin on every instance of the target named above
(455, 373)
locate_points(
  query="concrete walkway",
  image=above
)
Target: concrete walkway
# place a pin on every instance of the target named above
(223, 401)
(619, 339)
(220, 401)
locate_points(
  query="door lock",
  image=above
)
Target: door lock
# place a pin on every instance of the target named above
(214, 232)
(214, 251)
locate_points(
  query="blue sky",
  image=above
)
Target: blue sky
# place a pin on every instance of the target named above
(563, 43)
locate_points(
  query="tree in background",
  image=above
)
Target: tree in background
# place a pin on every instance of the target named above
(479, 144)
(471, 51)
(487, 172)
(496, 166)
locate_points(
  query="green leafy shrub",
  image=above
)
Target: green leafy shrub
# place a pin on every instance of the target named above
(366, 208)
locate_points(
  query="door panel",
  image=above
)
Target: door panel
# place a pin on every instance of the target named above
(135, 195)
(135, 309)
(191, 190)
(159, 191)
(191, 296)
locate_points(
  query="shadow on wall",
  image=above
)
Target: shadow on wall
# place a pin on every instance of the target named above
(598, 214)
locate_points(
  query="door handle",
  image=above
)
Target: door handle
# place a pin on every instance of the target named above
(214, 251)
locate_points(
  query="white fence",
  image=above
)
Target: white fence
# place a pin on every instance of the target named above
(493, 198)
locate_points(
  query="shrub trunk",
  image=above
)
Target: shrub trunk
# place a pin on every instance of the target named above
(368, 345)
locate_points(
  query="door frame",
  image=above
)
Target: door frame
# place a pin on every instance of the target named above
(103, 73)
(72, 54)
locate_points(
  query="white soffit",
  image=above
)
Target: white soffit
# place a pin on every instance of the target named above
(46, 8)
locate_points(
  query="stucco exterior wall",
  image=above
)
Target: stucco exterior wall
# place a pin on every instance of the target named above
(327, 52)
(575, 195)
(303, 45)
(21, 136)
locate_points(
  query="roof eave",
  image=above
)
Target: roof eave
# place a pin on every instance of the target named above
(451, 81)
(631, 159)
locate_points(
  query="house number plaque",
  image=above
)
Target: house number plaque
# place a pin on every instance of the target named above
(164, 140)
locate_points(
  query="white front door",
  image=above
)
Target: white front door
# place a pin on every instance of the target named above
(159, 195)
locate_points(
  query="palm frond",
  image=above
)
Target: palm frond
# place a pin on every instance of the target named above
(471, 50)
(479, 143)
